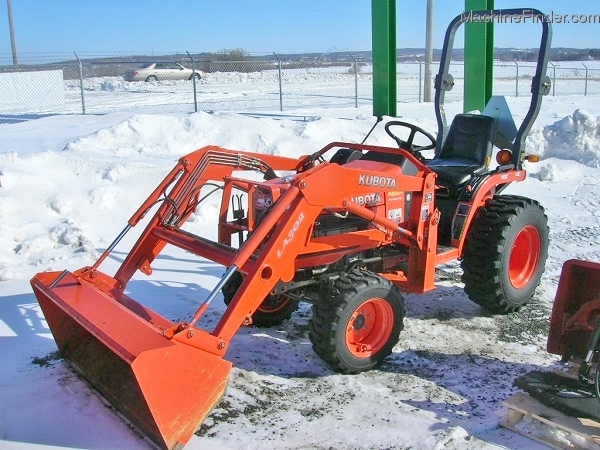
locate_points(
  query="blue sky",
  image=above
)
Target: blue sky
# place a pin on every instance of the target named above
(257, 26)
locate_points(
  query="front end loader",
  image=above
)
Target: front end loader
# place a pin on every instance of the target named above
(348, 229)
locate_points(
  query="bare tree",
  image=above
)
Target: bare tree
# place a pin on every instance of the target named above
(235, 54)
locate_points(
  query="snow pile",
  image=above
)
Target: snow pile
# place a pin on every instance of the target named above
(548, 172)
(105, 175)
(575, 137)
(45, 249)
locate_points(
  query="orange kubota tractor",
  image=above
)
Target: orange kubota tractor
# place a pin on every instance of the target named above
(347, 229)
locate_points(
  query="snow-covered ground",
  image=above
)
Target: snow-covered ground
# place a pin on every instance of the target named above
(68, 184)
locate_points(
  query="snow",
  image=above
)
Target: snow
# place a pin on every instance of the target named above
(575, 137)
(68, 185)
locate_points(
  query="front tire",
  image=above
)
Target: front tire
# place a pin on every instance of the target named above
(505, 253)
(359, 323)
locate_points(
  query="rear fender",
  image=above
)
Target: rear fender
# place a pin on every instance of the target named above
(466, 209)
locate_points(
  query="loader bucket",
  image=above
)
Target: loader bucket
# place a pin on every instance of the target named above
(163, 387)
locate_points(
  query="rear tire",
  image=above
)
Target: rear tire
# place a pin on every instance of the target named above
(505, 252)
(195, 75)
(272, 311)
(358, 324)
(151, 78)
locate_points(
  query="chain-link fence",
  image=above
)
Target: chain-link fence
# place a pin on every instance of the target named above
(276, 84)
(284, 85)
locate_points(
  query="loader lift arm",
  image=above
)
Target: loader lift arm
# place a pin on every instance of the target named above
(301, 202)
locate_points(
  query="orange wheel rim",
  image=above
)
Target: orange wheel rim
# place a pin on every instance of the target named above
(273, 304)
(369, 327)
(524, 257)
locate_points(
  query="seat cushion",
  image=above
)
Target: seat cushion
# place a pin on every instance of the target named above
(453, 173)
(452, 176)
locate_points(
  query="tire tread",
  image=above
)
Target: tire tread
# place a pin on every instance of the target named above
(485, 246)
(326, 315)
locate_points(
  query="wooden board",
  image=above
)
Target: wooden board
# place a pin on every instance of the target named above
(522, 405)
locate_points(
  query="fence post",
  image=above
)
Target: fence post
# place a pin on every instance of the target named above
(355, 81)
(280, 84)
(586, 79)
(517, 81)
(420, 77)
(193, 81)
(81, 83)
(553, 77)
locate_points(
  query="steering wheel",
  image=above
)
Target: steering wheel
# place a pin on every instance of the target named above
(408, 145)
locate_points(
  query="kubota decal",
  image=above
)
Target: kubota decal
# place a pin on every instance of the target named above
(376, 180)
(367, 199)
(290, 237)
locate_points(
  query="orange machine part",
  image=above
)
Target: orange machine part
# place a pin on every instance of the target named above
(163, 387)
(576, 308)
(165, 378)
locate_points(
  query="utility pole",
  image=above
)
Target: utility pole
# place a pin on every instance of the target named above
(428, 51)
(12, 35)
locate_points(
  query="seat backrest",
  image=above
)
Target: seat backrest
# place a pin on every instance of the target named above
(470, 138)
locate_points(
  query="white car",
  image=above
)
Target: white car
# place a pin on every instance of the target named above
(161, 71)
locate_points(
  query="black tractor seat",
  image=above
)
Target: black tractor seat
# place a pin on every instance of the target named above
(455, 172)
(466, 151)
